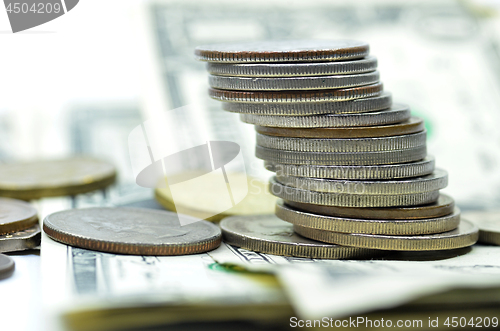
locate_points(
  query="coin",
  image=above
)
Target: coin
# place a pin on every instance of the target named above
(16, 215)
(363, 158)
(370, 226)
(378, 172)
(443, 206)
(136, 231)
(309, 96)
(367, 64)
(488, 223)
(292, 83)
(465, 235)
(283, 51)
(199, 199)
(382, 101)
(433, 182)
(6, 266)
(349, 200)
(268, 234)
(49, 178)
(343, 145)
(396, 114)
(22, 240)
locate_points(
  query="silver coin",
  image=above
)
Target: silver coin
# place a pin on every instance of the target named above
(292, 83)
(367, 64)
(321, 158)
(21, 240)
(355, 172)
(435, 181)
(346, 145)
(283, 51)
(350, 200)
(383, 101)
(7, 266)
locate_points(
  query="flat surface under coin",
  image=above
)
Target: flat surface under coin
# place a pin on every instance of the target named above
(6, 266)
(268, 234)
(21, 240)
(136, 231)
(488, 223)
(49, 178)
(16, 215)
(465, 235)
(283, 51)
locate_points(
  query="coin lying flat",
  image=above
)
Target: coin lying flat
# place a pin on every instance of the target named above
(382, 101)
(355, 172)
(396, 114)
(369, 226)
(367, 64)
(342, 94)
(22, 240)
(16, 215)
(443, 206)
(322, 158)
(292, 83)
(268, 234)
(349, 200)
(283, 51)
(137, 231)
(465, 235)
(6, 266)
(49, 178)
(488, 223)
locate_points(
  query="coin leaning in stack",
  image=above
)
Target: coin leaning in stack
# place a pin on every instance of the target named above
(352, 169)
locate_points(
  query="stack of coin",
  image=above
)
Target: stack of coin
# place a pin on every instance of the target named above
(19, 229)
(351, 167)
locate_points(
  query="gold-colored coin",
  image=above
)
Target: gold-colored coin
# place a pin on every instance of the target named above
(370, 226)
(204, 198)
(488, 223)
(443, 206)
(413, 125)
(16, 215)
(51, 178)
(465, 235)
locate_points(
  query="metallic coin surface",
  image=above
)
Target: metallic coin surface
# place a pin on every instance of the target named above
(49, 178)
(343, 145)
(136, 231)
(292, 83)
(367, 64)
(16, 215)
(396, 114)
(433, 182)
(370, 226)
(465, 235)
(22, 240)
(349, 200)
(7, 266)
(443, 206)
(488, 223)
(343, 94)
(355, 172)
(322, 158)
(268, 234)
(283, 51)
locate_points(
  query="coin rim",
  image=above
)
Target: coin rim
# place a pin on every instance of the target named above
(19, 225)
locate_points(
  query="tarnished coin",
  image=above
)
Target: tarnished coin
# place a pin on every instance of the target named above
(350, 200)
(355, 172)
(443, 206)
(433, 182)
(268, 234)
(22, 240)
(396, 114)
(137, 231)
(367, 64)
(309, 96)
(465, 235)
(370, 226)
(49, 178)
(383, 101)
(16, 215)
(343, 145)
(6, 266)
(322, 158)
(283, 51)
(292, 83)
(488, 223)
